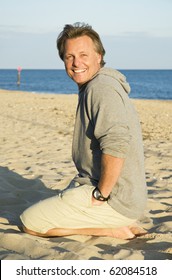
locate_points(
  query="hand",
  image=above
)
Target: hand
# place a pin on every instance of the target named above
(96, 202)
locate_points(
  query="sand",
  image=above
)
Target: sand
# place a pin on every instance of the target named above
(35, 163)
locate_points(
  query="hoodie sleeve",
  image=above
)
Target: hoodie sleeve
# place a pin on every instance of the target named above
(109, 120)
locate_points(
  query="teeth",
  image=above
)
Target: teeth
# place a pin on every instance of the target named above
(79, 71)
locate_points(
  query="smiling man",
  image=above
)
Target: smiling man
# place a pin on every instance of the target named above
(81, 59)
(108, 195)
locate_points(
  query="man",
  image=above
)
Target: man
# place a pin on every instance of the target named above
(109, 193)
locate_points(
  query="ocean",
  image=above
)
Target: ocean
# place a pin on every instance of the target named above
(145, 84)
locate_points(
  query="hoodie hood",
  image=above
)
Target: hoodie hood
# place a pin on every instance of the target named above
(116, 75)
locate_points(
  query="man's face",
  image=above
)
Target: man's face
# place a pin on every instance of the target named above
(81, 59)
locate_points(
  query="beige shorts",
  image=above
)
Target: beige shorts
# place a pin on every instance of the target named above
(72, 209)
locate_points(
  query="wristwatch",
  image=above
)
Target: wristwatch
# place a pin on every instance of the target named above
(97, 195)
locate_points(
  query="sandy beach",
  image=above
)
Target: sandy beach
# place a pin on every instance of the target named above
(35, 163)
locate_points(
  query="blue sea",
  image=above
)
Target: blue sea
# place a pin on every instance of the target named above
(145, 84)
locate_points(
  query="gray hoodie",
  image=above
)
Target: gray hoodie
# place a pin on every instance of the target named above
(106, 122)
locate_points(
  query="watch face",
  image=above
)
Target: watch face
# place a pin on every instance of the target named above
(96, 194)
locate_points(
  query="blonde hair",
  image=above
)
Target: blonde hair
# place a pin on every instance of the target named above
(77, 30)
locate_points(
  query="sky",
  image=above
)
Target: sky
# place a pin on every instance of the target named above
(136, 34)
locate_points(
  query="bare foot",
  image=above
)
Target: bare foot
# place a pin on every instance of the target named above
(123, 233)
(137, 231)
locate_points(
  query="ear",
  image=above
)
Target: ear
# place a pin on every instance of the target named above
(99, 58)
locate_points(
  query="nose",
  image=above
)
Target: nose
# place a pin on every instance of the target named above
(76, 61)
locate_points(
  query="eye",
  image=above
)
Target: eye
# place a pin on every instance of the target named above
(83, 54)
(68, 57)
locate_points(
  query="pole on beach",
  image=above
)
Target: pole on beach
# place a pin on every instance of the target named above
(18, 75)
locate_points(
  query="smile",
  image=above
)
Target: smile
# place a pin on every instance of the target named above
(79, 71)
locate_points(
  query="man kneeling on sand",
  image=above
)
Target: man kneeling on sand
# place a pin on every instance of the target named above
(108, 195)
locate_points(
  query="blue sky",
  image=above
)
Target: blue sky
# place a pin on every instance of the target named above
(137, 34)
